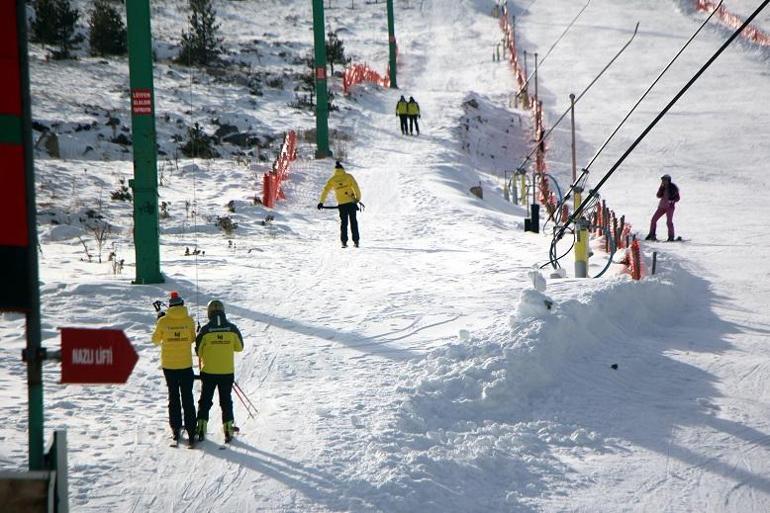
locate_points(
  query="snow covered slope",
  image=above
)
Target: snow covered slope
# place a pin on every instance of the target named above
(422, 371)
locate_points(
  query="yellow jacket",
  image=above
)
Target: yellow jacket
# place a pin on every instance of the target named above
(345, 187)
(401, 108)
(413, 108)
(175, 333)
(216, 345)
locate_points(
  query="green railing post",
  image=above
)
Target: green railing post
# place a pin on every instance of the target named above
(321, 91)
(145, 182)
(393, 48)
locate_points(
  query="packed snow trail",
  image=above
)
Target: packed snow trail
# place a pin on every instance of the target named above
(327, 331)
(625, 396)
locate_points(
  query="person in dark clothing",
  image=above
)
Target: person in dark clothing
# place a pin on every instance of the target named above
(402, 111)
(668, 193)
(348, 195)
(413, 111)
(216, 345)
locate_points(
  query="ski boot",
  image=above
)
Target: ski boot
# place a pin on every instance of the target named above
(651, 236)
(176, 435)
(229, 430)
(200, 429)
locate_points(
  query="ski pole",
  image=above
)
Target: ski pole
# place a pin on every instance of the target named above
(238, 395)
(236, 385)
(244, 398)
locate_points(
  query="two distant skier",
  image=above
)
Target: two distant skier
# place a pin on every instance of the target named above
(215, 345)
(408, 111)
(348, 198)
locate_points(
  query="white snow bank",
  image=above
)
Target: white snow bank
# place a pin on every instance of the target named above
(471, 419)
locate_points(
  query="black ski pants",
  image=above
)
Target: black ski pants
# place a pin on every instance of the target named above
(212, 382)
(404, 123)
(348, 212)
(413, 125)
(180, 395)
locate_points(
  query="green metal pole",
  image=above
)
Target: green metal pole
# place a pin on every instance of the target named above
(321, 91)
(392, 46)
(33, 352)
(145, 182)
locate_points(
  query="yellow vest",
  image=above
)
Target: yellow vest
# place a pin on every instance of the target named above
(175, 333)
(413, 108)
(401, 107)
(345, 187)
(216, 344)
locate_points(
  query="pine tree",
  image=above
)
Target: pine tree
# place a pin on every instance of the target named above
(335, 51)
(307, 80)
(108, 32)
(200, 45)
(199, 144)
(54, 24)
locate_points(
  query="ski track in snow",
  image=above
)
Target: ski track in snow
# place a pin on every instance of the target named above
(421, 372)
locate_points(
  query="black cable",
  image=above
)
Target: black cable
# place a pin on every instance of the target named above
(613, 248)
(564, 33)
(585, 90)
(554, 260)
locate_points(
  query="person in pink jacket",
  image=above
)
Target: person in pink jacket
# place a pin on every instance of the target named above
(668, 193)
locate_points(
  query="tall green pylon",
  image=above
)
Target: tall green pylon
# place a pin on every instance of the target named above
(18, 229)
(145, 182)
(321, 91)
(392, 46)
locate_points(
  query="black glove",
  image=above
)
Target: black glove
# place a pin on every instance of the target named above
(161, 314)
(320, 206)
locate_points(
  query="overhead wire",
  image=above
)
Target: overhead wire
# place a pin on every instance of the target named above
(564, 33)
(196, 251)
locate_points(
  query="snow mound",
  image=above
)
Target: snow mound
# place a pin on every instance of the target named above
(472, 412)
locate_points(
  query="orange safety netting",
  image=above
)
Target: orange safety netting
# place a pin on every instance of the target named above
(357, 73)
(509, 38)
(733, 21)
(271, 189)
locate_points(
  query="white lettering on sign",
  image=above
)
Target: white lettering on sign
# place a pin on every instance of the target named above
(82, 356)
(141, 101)
(86, 356)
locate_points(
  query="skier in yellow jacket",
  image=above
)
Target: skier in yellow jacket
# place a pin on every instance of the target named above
(402, 111)
(413, 111)
(216, 345)
(348, 195)
(175, 334)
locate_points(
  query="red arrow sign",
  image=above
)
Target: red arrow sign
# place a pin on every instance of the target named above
(96, 356)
